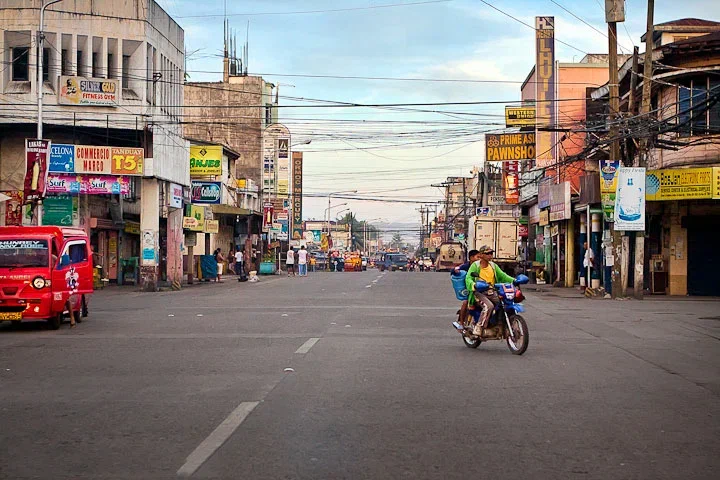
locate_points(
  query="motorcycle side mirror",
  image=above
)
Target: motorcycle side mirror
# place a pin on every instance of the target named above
(521, 279)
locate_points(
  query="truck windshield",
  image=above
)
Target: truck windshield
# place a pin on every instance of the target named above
(24, 253)
(398, 259)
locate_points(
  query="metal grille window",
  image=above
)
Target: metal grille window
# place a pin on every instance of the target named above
(694, 96)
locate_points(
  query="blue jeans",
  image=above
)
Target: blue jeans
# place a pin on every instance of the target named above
(302, 269)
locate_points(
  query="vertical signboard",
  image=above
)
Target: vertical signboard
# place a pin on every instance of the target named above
(62, 158)
(511, 174)
(37, 155)
(267, 217)
(608, 187)
(560, 202)
(630, 199)
(545, 88)
(297, 200)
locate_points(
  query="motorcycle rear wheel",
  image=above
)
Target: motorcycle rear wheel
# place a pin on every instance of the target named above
(522, 336)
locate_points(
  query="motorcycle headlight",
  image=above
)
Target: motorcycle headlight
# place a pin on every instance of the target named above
(38, 283)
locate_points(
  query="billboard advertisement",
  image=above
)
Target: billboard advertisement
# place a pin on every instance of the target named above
(682, 184)
(62, 158)
(99, 92)
(511, 177)
(205, 193)
(545, 88)
(88, 184)
(507, 147)
(297, 200)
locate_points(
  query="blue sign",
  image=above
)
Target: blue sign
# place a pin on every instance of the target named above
(205, 192)
(62, 158)
(148, 254)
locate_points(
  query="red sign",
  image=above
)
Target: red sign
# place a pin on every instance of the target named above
(523, 231)
(13, 208)
(512, 192)
(37, 154)
(267, 217)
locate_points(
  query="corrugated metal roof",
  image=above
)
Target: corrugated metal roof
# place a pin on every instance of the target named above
(689, 22)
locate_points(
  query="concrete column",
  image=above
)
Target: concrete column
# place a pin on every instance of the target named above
(175, 242)
(595, 237)
(102, 58)
(73, 55)
(150, 233)
(56, 69)
(581, 240)
(570, 247)
(32, 62)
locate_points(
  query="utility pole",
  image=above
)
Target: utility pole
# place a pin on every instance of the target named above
(464, 207)
(644, 145)
(619, 271)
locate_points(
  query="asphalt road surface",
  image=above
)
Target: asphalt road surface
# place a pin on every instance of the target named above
(359, 376)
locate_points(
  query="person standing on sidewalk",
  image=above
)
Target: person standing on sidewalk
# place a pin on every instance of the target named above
(588, 263)
(290, 262)
(302, 261)
(219, 259)
(239, 263)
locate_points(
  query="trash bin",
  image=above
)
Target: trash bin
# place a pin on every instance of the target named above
(129, 269)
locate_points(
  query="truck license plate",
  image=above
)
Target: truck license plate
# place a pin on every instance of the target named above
(10, 315)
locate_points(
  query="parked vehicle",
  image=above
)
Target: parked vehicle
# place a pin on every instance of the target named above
(365, 262)
(393, 262)
(450, 255)
(320, 261)
(45, 273)
(501, 234)
(505, 322)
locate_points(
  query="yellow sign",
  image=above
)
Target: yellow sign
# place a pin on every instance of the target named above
(544, 217)
(241, 183)
(212, 226)
(519, 116)
(132, 228)
(127, 161)
(205, 160)
(196, 221)
(283, 187)
(682, 184)
(509, 146)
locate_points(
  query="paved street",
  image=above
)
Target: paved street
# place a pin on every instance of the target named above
(154, 386)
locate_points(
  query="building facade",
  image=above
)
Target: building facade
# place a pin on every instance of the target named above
(112, 95)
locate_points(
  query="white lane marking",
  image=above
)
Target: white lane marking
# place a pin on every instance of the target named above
(216, 439)
(374, 281)
(368, 286)
(305, 347)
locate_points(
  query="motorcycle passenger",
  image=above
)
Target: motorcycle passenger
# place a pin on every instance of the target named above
(472, 257)
(481, 305)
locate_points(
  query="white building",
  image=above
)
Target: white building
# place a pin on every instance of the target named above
(113, 76)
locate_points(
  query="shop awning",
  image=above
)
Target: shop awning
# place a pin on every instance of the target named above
(230, 210)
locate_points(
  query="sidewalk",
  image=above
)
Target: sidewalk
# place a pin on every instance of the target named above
(575, 292)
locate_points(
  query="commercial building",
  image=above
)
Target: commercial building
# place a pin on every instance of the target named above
(683, 163)
(112, 94)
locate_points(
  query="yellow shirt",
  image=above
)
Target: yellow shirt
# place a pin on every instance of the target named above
(487, 274)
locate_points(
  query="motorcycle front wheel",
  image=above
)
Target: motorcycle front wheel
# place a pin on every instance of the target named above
(521, 334)
(473, 342)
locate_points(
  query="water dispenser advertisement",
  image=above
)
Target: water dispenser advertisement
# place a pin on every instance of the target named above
(630, 200)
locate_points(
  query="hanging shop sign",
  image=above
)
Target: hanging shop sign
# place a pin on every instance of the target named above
(545, 88)
(212, 226)
(88, 184)
(560, 202)
(534, 214)
(206, 193)
(544, 192)
(297, 200)
(529, 184)
(509, 146)
(267, 216)
(127, 160)
(544, 218)
(519, 116)
(93, 160)
(37, 155)
(283, 147)
(59, 210)
(682, 184)
(13, 208)
(175, 196)
(194, 218)
(496, 200)
(630, 200)
(133, 228)
(62, 158)
(205, 160)
(88, 91)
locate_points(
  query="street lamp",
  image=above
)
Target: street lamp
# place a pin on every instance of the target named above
(306, 142)
(365, 239)
(328, 209)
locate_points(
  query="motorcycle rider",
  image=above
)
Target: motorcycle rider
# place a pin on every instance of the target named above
(481, 305)
(472, 257)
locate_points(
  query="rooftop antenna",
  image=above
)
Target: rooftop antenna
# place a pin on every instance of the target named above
(247, 47)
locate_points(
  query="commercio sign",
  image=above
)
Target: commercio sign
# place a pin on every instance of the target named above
(205, 192)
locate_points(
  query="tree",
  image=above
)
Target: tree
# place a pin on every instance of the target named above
(397, 240)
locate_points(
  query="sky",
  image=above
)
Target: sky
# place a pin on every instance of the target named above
(470, 51)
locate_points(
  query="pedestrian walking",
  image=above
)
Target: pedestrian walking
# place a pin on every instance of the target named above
(290, 262)
(313, 262)
(219, 259)
(302, 261)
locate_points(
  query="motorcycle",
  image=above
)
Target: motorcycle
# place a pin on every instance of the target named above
(504, 323)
